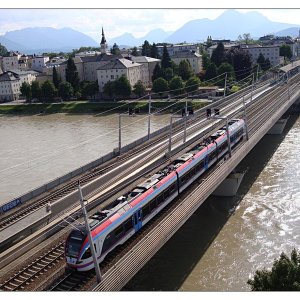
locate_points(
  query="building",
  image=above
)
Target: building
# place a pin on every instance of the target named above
(226, 47)
(11, 81)
(194, 58)
(87, 53)
(118, 67)
(39, 62)
(147, 64)
(11, 61)
(173, 49)
(269, 52)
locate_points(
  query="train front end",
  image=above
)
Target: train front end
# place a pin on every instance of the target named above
(73, 247)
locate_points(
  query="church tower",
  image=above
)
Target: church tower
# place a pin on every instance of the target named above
(103, 44)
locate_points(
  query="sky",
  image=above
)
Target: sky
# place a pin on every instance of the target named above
(118, 21)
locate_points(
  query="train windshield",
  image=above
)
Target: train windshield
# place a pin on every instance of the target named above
(74, 243)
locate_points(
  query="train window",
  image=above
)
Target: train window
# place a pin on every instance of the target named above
(153, 204)
(119, 230)
(172, 188)
(193, 171)
(166, 194)
(200, 166)
(212, 155)
(107, 242)
(146, 210)
(128, 225)
(160, 199)
(87, 253)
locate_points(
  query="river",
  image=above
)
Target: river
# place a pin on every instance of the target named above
(223, 242)
(228, 238)
(36, 149)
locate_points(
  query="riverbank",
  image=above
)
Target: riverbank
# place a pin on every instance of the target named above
(93, 107)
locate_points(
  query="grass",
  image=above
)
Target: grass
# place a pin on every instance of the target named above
(91, 107)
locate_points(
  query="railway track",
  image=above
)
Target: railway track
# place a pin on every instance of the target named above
(21, 280)
(69, 281)
(72, 281)
(87, 177)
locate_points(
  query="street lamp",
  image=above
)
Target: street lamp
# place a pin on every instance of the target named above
(87, 225)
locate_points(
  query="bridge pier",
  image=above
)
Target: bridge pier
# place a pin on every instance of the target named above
(278, 127)
(230, 185)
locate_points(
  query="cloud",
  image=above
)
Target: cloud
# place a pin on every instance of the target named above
(117, 21)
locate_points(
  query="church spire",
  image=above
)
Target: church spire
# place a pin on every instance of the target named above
(103, 40)
(103, 44)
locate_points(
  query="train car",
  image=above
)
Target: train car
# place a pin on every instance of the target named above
(130, 212)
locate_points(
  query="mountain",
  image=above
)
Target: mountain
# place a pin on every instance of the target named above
(292, 31)
(46, 38)
(228, 25)
(153, 36)
(9, 44)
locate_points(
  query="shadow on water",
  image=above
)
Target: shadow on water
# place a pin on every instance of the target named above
(171, 265)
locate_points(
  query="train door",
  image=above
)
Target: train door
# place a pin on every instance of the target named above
(137, 220)
(206, 162)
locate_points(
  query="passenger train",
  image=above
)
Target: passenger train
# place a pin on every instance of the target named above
(129, 213)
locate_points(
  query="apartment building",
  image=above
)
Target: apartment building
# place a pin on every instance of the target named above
(194, 58)
(11, 81)
(118, 67)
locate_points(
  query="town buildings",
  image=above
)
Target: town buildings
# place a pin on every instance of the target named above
(194, 58)
(11, 81)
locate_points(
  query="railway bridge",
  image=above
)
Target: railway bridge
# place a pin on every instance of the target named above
(262, 106)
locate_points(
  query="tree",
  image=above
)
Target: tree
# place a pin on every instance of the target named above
(192, 84)
(284, 275)
(25, 90)
(241, 62)
(122, 86)
(115, 49)
(3, 50)
(146, 49)
(154, 51)
(72, 74)
(36, 90)
(108, 88)
(185, 70)
(264, 64)
(205, 60)
(56, 79)
(166, 60)
(134, 51)
(65, 90)
(246, 38)
(167, 73)
(48, 91)
(285, 50)
(157, 72)
(139, 89)
(211, 71)
(226, 68)
(176, 85)
(160, 85)
(267, 64)
(218, 55)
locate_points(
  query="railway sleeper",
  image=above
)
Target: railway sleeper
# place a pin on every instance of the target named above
(8, 288)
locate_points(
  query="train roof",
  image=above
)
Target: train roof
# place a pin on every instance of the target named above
(127, 201)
